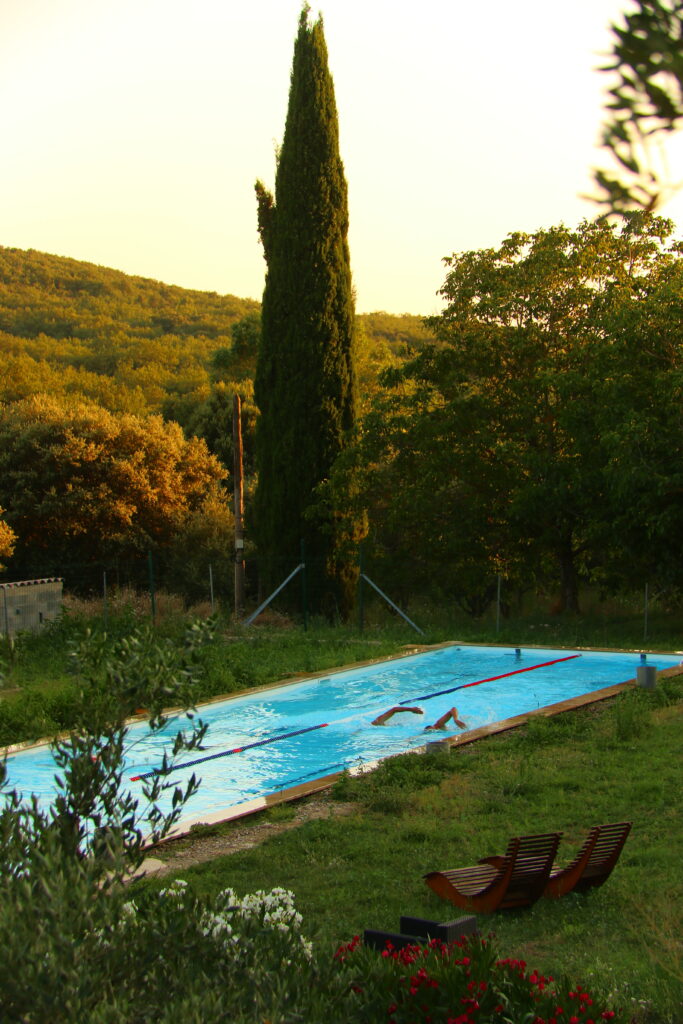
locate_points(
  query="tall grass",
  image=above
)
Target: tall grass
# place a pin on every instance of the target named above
(38, 687)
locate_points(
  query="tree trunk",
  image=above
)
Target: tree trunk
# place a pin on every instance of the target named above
(569, 581)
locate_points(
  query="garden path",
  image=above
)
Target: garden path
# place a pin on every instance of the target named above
(176, 855)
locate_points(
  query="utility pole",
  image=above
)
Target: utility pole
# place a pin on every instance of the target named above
(237, 461)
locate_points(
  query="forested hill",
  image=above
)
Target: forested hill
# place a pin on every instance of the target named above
(76, 330)
(73, 328)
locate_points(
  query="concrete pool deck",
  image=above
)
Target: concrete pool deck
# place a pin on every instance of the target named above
(324, 782)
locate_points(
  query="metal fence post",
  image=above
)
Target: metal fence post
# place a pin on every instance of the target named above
(152, 595)
(361, 609)
(304, 585)
(645, 614)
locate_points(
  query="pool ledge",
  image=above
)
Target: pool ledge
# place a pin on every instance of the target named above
(462, 739)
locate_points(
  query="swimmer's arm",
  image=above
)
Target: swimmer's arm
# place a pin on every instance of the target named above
(381, 719)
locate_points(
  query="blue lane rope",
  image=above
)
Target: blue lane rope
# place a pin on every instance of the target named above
(234, 750)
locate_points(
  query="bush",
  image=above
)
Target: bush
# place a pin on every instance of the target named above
(160, 957)
(464, 982)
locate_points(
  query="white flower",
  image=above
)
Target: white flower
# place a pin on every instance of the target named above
(176, 889)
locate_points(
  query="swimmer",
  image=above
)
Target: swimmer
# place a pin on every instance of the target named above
(442, 722)
(381, 719)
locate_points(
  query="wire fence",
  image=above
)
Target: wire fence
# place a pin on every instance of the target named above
(149, 585)
(153, 587)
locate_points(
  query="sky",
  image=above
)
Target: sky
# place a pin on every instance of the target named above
(133, 131)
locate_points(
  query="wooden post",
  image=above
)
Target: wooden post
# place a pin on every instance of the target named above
(237, 462)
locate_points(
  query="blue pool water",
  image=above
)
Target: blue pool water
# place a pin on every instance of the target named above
(331, 717)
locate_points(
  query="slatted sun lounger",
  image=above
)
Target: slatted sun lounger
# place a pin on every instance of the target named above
(516, 879)
(594, 862)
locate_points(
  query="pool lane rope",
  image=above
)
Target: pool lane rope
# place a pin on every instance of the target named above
(339, 721)
(246, 746)
(491, 679)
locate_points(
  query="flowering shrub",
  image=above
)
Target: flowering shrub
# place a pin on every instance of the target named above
(245, 942)
(460, 983)
(167, 956)
(260, 925)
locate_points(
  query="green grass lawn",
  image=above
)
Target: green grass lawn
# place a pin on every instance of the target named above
(615, 761)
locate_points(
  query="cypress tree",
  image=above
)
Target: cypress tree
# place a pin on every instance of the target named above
(304, 384)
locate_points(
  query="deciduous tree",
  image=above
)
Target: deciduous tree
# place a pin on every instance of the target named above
(7, 538)
(84, 481)
(540, 435)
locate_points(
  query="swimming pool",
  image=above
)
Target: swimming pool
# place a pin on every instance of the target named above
(261, 743)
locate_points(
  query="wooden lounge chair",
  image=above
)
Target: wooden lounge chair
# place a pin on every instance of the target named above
(594, 862)
(514, 880)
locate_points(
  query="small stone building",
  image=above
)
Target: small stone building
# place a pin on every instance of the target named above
(27, 605)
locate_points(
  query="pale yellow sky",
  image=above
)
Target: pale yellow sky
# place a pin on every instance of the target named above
(133, 131)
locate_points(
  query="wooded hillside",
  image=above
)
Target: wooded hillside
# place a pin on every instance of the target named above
(131, 344)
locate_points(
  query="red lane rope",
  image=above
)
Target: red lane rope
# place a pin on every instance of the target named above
(491, 679)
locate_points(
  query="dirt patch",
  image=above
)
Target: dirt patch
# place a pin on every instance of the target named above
(178, 854)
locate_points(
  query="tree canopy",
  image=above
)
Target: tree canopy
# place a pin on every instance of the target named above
(81, 481)
(540, 436)
(7, 538)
